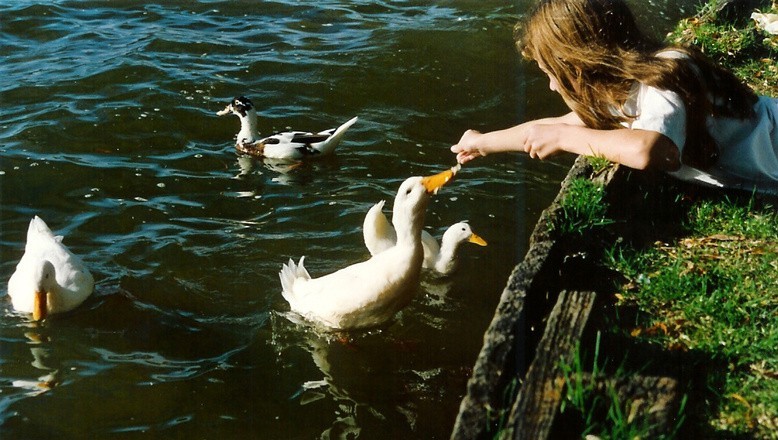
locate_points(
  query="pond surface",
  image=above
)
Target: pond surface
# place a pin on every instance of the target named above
(108, 132)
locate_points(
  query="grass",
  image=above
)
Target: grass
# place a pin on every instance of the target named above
(602, 411)
(599, 164)
(708, 291)
(582, 208)
(501, 430)
(740, 45)
(715, 292)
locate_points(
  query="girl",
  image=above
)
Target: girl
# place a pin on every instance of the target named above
(637, 103)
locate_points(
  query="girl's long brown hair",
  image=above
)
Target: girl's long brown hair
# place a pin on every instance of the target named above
(596, 52)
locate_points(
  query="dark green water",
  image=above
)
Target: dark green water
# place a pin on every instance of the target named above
(108, 132)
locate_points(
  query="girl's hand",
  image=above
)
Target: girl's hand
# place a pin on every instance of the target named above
(542, 140)
(468, 147)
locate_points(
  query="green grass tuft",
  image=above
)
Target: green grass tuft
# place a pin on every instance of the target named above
(602, 412)
(583, 208)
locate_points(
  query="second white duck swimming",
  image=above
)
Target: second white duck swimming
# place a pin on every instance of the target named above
(49, 278)
(290, 145)
(369, 293)
(379, 235)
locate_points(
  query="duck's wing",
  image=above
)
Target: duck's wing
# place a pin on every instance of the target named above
(295, 137)
(378, 233)
(431, 249)
(292, 145)
(310, 138)
(304, 288)
(302, 144)
(363, 294)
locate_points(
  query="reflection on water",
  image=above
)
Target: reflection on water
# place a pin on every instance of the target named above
(40, 349)
(108, 131)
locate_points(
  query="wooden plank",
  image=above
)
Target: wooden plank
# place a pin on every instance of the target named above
(501, 359)
(654, 399)
(538, 400)
(495, 364)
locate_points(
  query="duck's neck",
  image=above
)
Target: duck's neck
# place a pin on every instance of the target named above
(248, 128)
(445, 261)
(408, 234)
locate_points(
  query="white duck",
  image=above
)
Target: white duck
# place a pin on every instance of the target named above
(49, 278)
(443, 258)
(369, 293)
(290, 145)
(379, 236)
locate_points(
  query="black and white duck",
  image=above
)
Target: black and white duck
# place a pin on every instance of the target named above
(289, 145)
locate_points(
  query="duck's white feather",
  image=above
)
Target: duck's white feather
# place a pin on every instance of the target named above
(365, 294)
(444, 259)
(298, 145)
(379, 235)
(368, 293)
(44, 252)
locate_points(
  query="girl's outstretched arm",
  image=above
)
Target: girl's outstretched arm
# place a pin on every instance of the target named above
(639, 149)
(634, 148)
(476, 144)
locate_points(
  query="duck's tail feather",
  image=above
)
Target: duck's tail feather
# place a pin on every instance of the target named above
(289, 274)
(39, 227)
(328, 146)
(376, 225)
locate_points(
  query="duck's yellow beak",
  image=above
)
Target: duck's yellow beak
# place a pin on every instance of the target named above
(433, 183)
(227, 110)
(39, 307)
(476, 239)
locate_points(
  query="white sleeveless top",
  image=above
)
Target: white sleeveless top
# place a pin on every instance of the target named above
(748, 148)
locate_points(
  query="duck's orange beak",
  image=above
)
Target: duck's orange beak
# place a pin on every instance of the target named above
(476, 239)
(433, 183)
(39, 307)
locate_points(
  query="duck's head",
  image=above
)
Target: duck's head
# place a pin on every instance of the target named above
(243, 108)
(461, 233)
(45, 284)
(239, 106)
(411, 200)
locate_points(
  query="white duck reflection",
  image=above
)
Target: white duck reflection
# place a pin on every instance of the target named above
(351, 370)
(41, 360)
(284, 171)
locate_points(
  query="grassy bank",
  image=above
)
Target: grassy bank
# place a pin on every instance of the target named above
(702, 288)
(713, 292)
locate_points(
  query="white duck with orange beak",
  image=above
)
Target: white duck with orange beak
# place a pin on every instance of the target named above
(441, 258)
(49, 278)
(369, 293)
